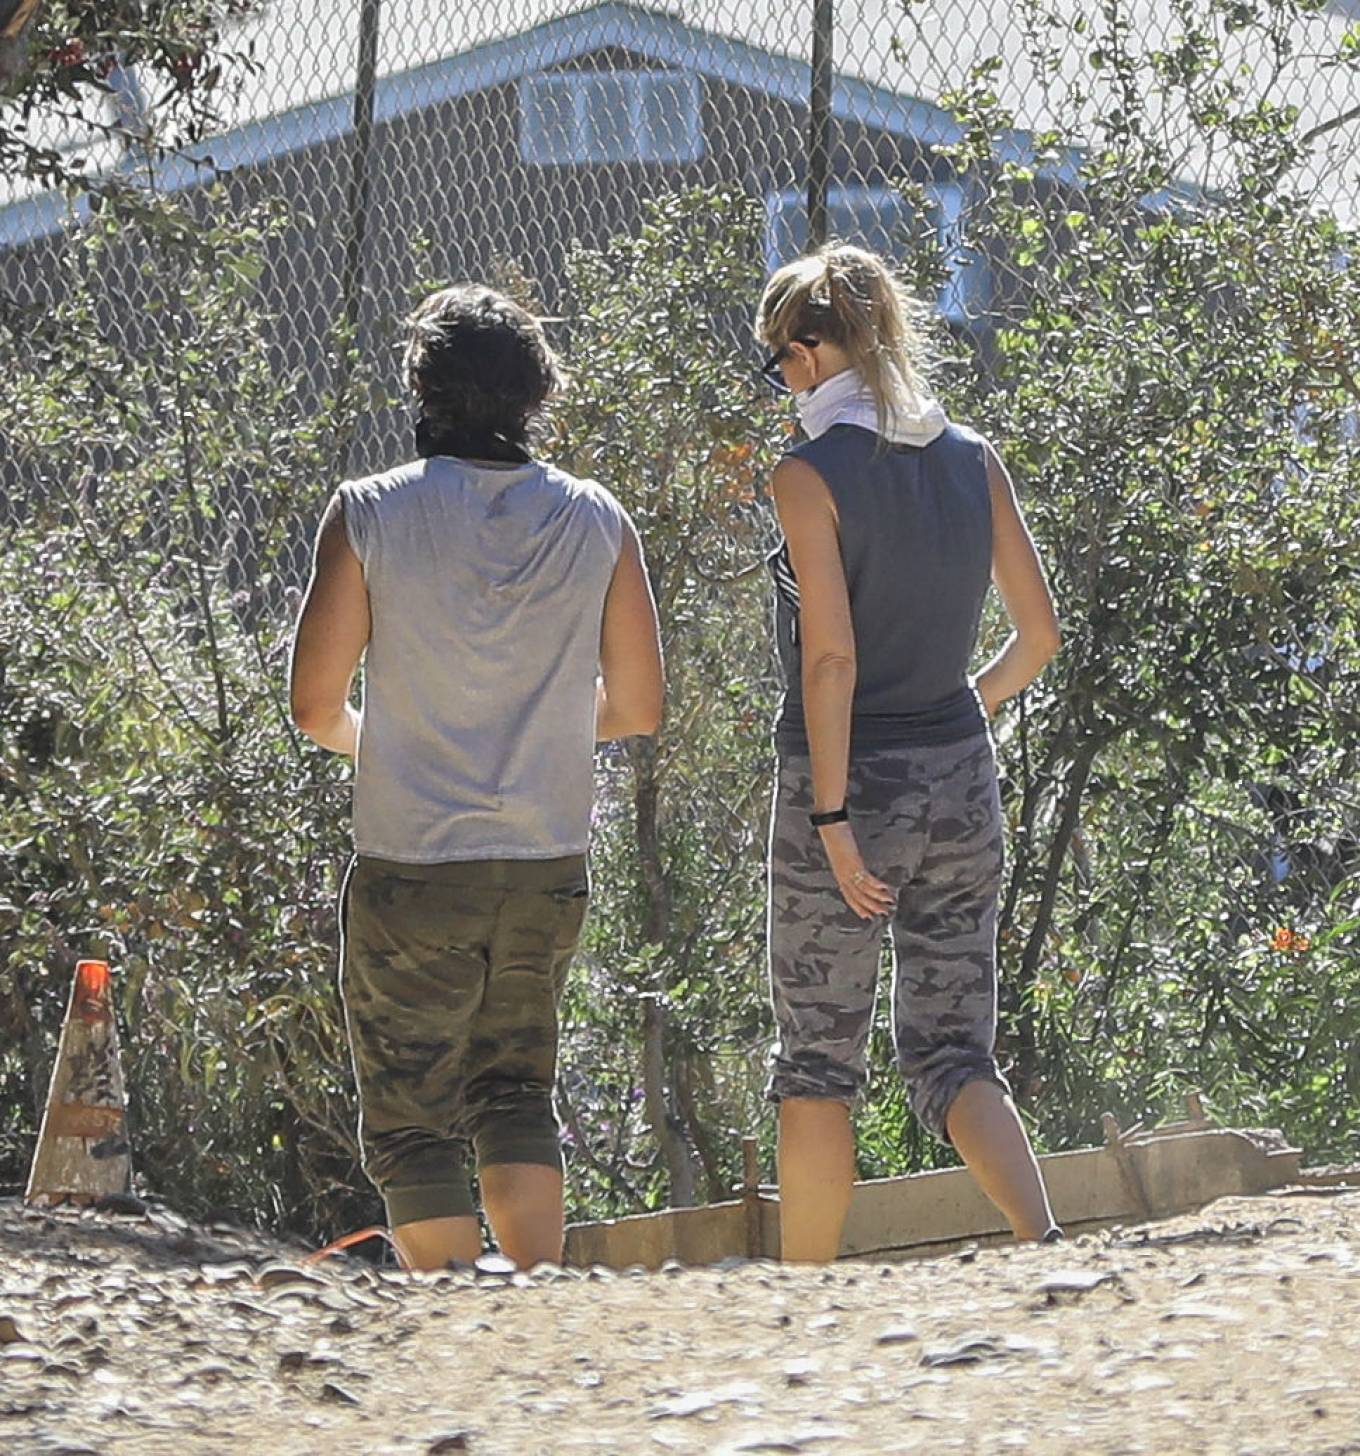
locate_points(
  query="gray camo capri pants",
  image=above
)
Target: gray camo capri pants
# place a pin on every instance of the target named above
(928, 822)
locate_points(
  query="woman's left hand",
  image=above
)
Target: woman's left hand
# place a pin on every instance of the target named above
(864, 893)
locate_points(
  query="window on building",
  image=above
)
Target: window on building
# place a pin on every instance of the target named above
(879, 218)
(610, 116)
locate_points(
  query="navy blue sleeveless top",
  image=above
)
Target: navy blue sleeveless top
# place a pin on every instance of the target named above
(916, 542)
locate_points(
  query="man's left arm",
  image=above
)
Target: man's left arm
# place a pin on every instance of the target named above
(332, 632)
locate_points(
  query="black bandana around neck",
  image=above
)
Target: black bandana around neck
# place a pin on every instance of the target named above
(436, 439)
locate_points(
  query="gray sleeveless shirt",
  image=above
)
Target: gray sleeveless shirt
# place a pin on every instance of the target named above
(486, 586)
(916, 542)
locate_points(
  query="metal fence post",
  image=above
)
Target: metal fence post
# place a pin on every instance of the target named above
(819, 122)
(360, 185)
(360, 181)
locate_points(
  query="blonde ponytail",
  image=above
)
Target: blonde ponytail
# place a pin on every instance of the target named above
(849, 297)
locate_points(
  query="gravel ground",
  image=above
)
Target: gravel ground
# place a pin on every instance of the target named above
(1232, 1331)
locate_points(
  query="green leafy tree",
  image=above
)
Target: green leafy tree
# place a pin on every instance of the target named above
(665, 406)
(166, 814)
(158, 807)
(148, 77)
(1170, 379)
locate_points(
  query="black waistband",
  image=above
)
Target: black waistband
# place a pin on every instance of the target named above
(949, 720)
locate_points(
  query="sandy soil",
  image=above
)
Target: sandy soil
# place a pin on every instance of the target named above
(1235, 1330)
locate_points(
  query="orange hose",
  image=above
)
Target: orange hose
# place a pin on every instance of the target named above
(357, 1237)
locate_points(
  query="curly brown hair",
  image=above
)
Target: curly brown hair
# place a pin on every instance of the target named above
(479, 364)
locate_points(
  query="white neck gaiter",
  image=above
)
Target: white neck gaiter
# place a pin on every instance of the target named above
(844, 399)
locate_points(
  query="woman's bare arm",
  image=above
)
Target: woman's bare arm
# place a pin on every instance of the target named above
(1019, 578)
(827, 634)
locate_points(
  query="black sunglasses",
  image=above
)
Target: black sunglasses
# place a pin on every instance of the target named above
(770, 368)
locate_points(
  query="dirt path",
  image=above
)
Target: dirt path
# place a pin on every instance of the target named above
(1235, 1331)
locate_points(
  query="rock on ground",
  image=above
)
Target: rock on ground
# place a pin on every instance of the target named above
(1231, 1331)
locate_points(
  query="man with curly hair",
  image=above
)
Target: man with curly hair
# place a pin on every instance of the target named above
(507, 621)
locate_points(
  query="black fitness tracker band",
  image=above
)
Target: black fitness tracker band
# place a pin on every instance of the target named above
(832, 816)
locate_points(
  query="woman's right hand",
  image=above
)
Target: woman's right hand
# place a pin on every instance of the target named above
(864, 893)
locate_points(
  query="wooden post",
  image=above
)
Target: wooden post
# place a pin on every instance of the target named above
(1114, 1141)
(750, 1197)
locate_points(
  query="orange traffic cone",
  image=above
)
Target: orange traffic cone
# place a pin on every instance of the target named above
(83, 1152)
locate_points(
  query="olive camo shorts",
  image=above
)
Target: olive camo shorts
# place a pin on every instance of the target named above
(450, 975)
(928, 822)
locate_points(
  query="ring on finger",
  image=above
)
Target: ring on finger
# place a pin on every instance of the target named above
(861, 876)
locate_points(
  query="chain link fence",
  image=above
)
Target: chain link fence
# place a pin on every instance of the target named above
(408, 142)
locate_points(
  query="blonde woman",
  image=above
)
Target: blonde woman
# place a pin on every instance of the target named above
(887, 819)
